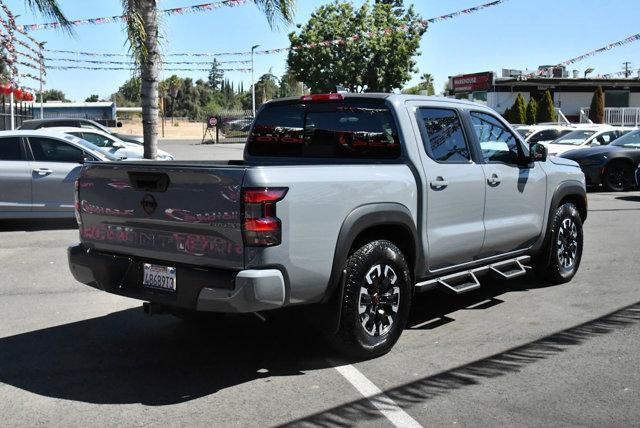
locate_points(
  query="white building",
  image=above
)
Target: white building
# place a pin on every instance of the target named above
(571, 95)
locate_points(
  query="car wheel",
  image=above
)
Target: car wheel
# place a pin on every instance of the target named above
(376, 303)
(618, 177)
(562, 258)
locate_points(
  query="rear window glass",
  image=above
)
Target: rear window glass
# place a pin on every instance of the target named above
(325, 130)
(10, 149)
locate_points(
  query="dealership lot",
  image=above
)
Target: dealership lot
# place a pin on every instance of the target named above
(514, 353)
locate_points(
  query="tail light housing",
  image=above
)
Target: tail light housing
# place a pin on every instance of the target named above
(260, 225)
(76, 198)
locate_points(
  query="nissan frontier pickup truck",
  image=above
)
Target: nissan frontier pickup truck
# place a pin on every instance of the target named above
(352, 203)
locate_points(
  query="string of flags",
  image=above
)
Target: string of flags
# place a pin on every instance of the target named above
(589, 54)
(9, 41)
(122, 18)
(81, 67)
(74, 60)
(338, 41)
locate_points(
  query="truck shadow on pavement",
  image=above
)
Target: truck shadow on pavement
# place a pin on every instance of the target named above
(510, 361)
(36, 225)
(126, 357)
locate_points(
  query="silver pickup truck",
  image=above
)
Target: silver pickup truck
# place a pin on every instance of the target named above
(350, 203)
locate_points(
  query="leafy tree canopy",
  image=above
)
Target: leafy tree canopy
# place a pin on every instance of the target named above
(92, 98)
(52, 95)
(379, 63)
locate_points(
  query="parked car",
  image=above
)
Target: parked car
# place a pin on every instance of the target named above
(243, 124)
(112, 144)
(612, 166)
(543, 134)
(351, 202)
(78, 123)
(598, 135)
(37, 171)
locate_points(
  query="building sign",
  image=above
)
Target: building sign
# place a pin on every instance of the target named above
(472, 82)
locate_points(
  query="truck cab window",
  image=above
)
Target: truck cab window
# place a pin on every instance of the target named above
(444, 140)
(497, 143)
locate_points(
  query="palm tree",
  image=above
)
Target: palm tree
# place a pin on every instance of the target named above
(143, 37)
(427, 83)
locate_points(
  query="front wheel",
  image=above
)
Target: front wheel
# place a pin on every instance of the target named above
(618, 177)
(377, 299)
(561, 259)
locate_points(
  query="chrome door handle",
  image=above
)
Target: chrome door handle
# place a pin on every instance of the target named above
(439, 183)
(494, 180)
(43, 171)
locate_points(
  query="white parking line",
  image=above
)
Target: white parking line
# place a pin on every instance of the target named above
(379, 399)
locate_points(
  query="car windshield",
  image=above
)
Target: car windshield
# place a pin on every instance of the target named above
(574, 138)
(524, 132)
(92, 147)
(630, 140)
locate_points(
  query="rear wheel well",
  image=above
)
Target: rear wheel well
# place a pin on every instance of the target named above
(396, 233)
(579, 203)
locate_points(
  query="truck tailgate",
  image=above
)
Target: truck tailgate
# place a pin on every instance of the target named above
(166, 212)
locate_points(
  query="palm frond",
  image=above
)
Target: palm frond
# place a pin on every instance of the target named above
(51, 9)
(136, 33)
(277, 11)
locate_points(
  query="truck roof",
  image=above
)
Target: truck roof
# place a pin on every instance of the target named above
(391, 97)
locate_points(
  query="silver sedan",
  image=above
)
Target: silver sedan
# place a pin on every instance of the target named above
(38, 169)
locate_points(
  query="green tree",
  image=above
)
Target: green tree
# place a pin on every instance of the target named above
(546, 110)
(596, 111)
(92, 98)
(267, 88)
(130, 91)
(520, 109)
(378, 63)
(424, 87)
(52, 95)
(532, 111)
(215, 75)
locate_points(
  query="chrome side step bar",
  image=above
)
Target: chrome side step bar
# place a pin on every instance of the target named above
(464, 281)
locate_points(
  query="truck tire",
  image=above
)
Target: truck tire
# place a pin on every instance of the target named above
(376, 303)
(560, 262)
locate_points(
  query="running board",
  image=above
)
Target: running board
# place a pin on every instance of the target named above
(462, 282)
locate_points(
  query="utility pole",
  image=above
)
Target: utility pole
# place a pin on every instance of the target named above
(627, 72)
(41, 58)
(253, 84)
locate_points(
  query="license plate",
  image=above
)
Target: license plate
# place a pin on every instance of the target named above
(159, 277)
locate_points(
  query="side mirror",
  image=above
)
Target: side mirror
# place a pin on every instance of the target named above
(119, 125)
(537, 152)
(85, 158)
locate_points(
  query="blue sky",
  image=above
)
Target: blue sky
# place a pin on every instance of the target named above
(517, 34)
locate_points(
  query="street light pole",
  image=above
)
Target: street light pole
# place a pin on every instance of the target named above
(253, 84)
(41, 58)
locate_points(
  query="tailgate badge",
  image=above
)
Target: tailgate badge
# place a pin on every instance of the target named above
(149, 204)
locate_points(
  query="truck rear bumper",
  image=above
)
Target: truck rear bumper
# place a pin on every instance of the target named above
(202, 289)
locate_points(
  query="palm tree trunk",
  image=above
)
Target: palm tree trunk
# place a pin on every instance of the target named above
(149, 71)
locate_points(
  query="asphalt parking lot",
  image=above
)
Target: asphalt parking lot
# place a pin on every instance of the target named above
(512, 353)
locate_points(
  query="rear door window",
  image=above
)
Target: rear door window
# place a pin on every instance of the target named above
(349, 129)
(50, 150)
(10, 149)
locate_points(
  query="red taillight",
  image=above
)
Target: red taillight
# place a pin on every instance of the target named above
(321, 97)
(260, 226)
(76, 197)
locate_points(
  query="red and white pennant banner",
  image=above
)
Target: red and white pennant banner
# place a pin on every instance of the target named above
(121, 18)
